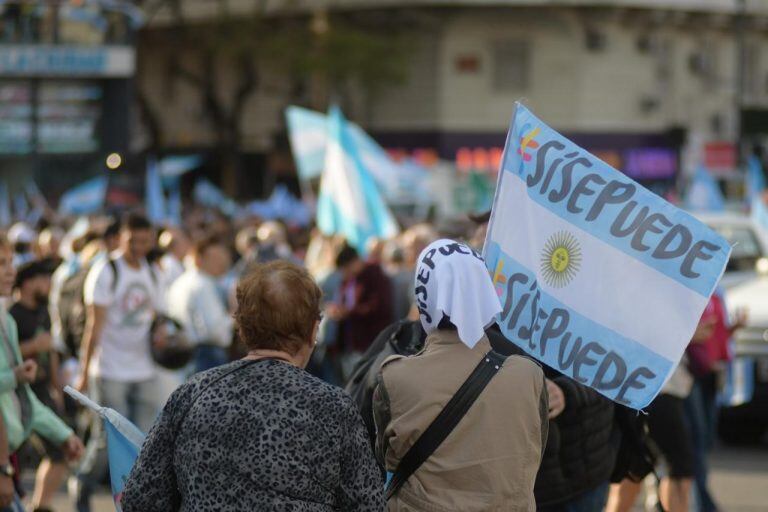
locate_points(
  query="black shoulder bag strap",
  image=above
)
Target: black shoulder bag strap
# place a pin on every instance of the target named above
(446, 421)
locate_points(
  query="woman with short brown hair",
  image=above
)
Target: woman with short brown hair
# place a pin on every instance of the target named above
(260, 433)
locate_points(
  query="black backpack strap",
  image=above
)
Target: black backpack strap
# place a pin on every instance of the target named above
(113, 266)
(446, 421)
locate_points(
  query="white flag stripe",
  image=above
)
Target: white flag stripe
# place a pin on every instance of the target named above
(524, 219)
(342, 183)
(309, 141)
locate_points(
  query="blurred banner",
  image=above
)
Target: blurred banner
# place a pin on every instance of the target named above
(349, 202)
(703, 193)
(84, 199)
(598, 277)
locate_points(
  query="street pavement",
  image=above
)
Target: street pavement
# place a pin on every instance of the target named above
(739, 482)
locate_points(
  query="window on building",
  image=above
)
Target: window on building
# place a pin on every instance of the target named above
(511, 65)
(752, 71)
(703, 62)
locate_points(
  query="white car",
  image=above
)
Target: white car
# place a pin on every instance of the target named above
(745, 283)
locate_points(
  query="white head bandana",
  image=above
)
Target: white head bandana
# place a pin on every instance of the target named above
(451, 280)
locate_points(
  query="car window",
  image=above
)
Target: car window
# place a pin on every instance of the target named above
(745, 247)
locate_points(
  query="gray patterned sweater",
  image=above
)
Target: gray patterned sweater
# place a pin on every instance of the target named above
(263, 436)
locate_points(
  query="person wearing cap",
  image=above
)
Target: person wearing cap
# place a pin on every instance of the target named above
(30, 311)
(21, 412)
(490, 459)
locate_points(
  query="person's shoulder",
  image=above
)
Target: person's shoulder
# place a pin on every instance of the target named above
(321, 390)
(8, 319)
(100, 266)
(16, 309)
(522, 368)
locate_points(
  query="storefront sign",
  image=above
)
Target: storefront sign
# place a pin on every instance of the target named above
(39, 60)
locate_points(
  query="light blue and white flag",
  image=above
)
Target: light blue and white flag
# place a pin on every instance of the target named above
(175, 166)
(398, 182)
(208, 194)
(174, 202)
(349, 202)
(124, 440)
(154, 195)
(703, 194)
(598, 277)
(84, 199)
(755, 182)
(308, 135)
(5, 205)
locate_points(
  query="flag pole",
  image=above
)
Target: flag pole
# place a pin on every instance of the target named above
(83, 400)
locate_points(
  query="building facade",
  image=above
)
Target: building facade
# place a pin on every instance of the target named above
(65, 89)
(653, 87)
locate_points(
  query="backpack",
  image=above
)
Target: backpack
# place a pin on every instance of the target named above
(400, 338)
(71, 309)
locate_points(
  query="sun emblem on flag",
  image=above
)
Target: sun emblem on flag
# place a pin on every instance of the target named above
(560, 259)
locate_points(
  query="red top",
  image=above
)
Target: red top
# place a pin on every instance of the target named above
(703, 356)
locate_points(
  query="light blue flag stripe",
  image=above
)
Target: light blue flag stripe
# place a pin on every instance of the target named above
(349, 202)
(546, 181)
(84, 199)
(154, 196)
(307, 131)
(174, 203)
(612, 374)
(755, 178)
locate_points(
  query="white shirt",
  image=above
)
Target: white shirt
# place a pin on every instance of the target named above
(195, 302)
(172, 268)
(123, 350)
(680, 382)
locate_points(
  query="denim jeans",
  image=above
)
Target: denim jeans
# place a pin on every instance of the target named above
(697, 413)
(138, 402)
(15, 507)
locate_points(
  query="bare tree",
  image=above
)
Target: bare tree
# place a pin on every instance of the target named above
(313, 51)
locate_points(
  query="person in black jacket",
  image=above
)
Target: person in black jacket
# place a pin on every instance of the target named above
(580, 457)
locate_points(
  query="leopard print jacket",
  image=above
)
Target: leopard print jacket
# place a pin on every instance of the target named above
(256, 436)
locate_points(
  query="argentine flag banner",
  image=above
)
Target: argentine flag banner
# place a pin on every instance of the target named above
(598, 277)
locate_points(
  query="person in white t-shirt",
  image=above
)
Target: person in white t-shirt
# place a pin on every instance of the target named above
(176, 245)
(195, 302)
(122, 295)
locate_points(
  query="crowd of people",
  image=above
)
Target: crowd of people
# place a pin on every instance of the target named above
(276, 368)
